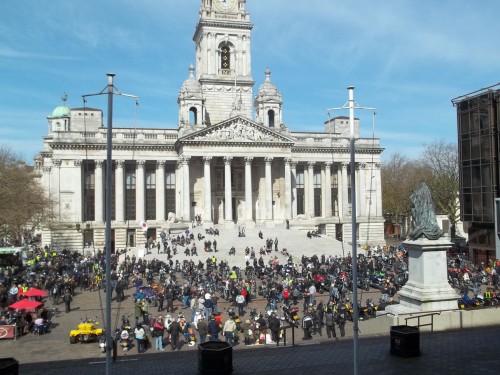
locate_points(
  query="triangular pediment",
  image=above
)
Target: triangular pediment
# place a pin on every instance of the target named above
(236, 130)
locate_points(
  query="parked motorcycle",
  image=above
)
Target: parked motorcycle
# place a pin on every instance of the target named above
(290, 313)
(465, 302)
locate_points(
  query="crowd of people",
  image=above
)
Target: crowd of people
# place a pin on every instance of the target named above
(186, 299)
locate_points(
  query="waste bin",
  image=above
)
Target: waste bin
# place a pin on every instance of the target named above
(9, 366)
(215, 357)
(405, 341)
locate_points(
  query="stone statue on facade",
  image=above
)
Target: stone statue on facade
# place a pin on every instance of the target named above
(171, 218)
(423, 215)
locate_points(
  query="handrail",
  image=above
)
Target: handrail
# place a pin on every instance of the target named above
(423, 316)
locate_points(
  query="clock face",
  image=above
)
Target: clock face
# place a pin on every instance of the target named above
(224, 5)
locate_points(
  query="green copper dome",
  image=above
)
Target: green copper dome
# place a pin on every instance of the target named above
(61, 111)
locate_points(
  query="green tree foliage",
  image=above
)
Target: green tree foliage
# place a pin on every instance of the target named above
(23, 203)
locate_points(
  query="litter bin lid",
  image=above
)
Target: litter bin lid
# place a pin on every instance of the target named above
(214, 345)
(6, 362)
(404, 329)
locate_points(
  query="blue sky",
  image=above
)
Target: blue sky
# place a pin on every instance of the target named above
(407, 58)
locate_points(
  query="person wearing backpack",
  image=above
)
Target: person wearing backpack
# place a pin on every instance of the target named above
(307, 324)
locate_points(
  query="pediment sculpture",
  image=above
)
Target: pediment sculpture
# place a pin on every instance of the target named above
(237, 132)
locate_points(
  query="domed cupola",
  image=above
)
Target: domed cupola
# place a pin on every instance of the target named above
(190, 102)
(268, 103)
(60, 119)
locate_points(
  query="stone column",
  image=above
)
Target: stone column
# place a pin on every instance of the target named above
(327, 190)
(340, 190)
(78, 191)
(186, 189)
(140, 187)
(288, 188)
(160, 190)
(362, 189)
(119, 191)
(99, 192)
(228, 203)
(377, 182)
(269, 188)
(207, 192)
(248, 189)
(310, 182)
(294, 189)
(345, 190)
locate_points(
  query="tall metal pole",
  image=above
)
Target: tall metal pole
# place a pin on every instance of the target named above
(354, 233)
(351, 105)
(109, 171)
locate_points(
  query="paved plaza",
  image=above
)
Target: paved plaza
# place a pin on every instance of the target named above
(441, 353)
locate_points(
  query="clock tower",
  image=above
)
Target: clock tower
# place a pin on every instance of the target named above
(223, 59)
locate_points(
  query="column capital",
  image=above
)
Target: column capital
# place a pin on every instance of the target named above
(207, 160)
(140, 164)
(99, 163)
(360, 166)
(228, 160)
(77, 162)
(47, 169)
(119, 163)
(57, 162)
(310, 164)
(344, 165)
(288, 161)
(328, 164)
(248, 160)
(376, 165)
(268, 159)
(160, 164)
(184, 159)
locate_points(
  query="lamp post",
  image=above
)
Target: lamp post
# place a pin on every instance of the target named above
(351, 105)
(109, 90)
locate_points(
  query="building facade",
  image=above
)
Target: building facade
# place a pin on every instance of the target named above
(478, 120)
(232, 160)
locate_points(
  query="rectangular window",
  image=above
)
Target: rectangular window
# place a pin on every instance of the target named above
(169, 188)
(88, 190)
(150, 171)
(317, 179)
(130, 191)
(300, 184)
(300, 177)
(113, 202)
(219, 179)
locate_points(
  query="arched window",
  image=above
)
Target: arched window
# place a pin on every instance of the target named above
(270, 117)
(225, 58)
(193, 116)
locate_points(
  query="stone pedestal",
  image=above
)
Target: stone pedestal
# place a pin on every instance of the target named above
(427, 288)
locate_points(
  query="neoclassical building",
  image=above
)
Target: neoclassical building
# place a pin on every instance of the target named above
(232, 159)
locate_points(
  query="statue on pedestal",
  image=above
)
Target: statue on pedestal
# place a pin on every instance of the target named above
(423, 214)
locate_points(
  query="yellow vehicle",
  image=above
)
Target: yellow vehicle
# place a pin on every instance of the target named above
(86, 332)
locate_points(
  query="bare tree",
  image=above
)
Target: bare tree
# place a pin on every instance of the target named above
(441, 159)
(400, 176)
(24, 205)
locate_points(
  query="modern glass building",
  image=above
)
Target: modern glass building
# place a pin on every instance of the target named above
(478, 119)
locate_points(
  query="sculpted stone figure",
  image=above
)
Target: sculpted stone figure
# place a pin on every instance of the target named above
(424, 217)
(171, 218)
